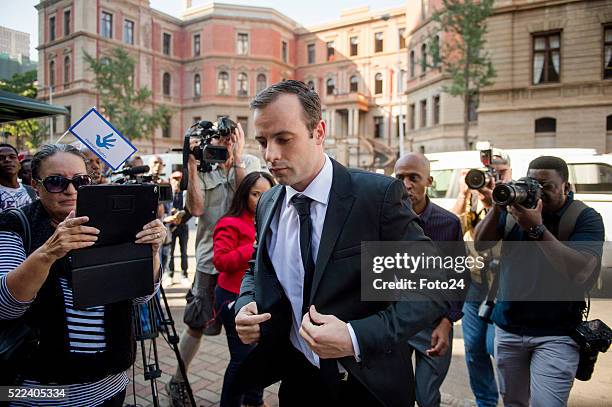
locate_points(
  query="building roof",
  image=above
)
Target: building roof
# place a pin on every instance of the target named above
(14, 107)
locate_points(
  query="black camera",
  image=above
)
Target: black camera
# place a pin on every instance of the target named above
(204, 152)
(137, 175)
(476, 178)
(592, 337)
(526, 191)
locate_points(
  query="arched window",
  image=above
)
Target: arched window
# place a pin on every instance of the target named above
(330, 86)
(223, 83)
(378, 84)
(354, 83)
(262, 82)
(243, 84)
(412, 64)
(311, 85)
(67, 70)
(52, 73)
(166, 84)
(545, 132)
(423, 58)
(197, 86)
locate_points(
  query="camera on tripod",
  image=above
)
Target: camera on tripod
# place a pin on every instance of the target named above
(138, 175)
(526, 191)
(205, 152)
(477, 178)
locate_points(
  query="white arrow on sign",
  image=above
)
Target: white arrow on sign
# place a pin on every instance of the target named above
(103, 139)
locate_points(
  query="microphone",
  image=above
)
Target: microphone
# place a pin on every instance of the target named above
(140, 169)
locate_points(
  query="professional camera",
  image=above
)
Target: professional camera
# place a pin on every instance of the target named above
(526, 191)
(204, 152)
(138, 175)
(476, 178)
(592, 337)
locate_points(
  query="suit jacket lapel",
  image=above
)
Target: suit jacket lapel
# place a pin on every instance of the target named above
(338, 209)
(267, 213)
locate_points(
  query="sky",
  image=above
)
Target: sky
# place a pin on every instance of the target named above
(22, 15)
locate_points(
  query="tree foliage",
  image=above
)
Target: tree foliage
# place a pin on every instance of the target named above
(29, 133)
(458, 48)
(129, 109)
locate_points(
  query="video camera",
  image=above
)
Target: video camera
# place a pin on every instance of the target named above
(476, 178)
(526, 191)
(206, 153)
(136, 175)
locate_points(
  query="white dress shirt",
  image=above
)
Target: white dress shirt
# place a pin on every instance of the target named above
(284, 249)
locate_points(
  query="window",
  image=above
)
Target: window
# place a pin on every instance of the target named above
(67, 71)
(330, 86)
(285, 51)
(423, 113)
(244, 123)
(378, 84)
(166, 84)
(591, 178)
(435, 52)
(311, 53)
(262, 82)
(242, 44)
(167, 43)
(402, 39)
(423, 59)
(197, 87)
(401, 81)
(52, 74)
(66, 22)
(331, 51)
(52, 29)
(397, 125)
(354, 83)
(436, 110)
(68, 118)
(412, 115)
(473, 108)
(223, 83)
(196, 45)
(106, 25)
(166, 126)
(424, 8)
(546, 58)
(412, 64)
(609, 123)
(354, 46)
(378, 126)
(607, 52)
(128, 32)
(378, 42)
(243, 84)
(311, 85)
(545, 132)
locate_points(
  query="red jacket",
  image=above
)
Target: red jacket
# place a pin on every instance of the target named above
(233, 240)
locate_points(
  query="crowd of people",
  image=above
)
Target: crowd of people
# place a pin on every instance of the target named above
(278, 266)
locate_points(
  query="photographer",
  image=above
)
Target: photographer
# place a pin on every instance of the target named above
(209, 195)
(536, 357)
(85, 351)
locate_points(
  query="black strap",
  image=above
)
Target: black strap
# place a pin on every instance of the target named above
(31, 192)
(301, 203)
(25, 227)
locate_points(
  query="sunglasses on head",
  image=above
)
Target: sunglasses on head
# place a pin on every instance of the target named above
(57, 183)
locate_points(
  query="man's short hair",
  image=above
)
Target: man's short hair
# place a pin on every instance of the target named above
(309, 99)
(548, 162)
(9, 146)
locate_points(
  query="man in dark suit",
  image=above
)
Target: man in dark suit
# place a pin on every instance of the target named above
(301, 302)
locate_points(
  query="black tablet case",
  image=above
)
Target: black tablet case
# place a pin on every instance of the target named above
(115, 268)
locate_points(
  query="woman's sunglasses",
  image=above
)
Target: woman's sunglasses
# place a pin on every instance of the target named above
(56, 183)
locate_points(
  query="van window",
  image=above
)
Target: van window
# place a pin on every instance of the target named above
(441, 183)
(591, 178)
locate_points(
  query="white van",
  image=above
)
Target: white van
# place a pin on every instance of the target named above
(589, 173)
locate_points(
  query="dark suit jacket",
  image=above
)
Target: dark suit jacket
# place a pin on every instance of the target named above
(362, 207)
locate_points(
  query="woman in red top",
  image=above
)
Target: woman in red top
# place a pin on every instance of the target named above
(233, 240)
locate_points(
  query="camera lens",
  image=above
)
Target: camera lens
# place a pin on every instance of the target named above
(503, 194)
(475, 179)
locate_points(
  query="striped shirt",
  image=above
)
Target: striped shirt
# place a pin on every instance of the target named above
(85, 331)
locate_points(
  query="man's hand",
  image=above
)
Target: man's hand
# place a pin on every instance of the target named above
(525, 217)
(238, 143)
(247, 323)
(440, 339)
(485, 194)
(326, 335)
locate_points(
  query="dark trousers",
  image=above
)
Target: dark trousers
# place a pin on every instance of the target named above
(238, 352)
(182, 234)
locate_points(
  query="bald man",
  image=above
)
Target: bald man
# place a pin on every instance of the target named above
(433, 346)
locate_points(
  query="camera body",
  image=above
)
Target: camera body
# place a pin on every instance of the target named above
(477, 178)
(525, 191)
(206, 153)
(592, 337)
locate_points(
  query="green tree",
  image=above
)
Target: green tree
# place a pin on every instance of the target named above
(461, 27)
(125, 106)
(29, 133)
